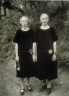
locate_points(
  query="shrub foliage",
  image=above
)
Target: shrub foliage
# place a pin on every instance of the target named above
(59, 19)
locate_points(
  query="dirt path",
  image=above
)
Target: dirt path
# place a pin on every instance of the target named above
(9, 84)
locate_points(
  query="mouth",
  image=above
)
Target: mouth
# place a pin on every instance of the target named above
(45, 22)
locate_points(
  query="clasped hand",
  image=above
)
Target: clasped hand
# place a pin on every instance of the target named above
(17, 61)
(54, 57)
(34, 58)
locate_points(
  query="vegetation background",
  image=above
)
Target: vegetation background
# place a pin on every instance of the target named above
(59, 19)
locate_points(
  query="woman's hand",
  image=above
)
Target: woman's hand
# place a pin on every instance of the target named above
(18, 68)
(50, 51)
(17, 58)
(54, 57)
(17, 64)
(30, 51)
(34, 58)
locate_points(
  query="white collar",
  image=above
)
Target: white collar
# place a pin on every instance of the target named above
(44, 28)
(25, 29)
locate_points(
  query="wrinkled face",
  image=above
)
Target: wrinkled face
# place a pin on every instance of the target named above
(44, 19)
(24, 21)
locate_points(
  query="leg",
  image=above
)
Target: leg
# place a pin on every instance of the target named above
(28, 81)
(44, 82)
(22, 83)
(22, 86)
(44, 85)
(48, 87)
(48, 83)
(28, 85)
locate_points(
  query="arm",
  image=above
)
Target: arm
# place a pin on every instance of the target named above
(17, 57)
(54, 51)
(16, 52)
(54, 47)
(34, 55)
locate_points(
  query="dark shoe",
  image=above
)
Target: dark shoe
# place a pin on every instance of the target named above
(43, 88)
(22, 92)
(29, 88)
(48, 92)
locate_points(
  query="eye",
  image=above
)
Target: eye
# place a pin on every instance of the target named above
(42, 18)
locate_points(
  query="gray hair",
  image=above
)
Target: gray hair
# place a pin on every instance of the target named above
(25, 17)
(44, 14)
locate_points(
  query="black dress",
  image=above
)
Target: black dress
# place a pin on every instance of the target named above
(47, 69)
(25, 40)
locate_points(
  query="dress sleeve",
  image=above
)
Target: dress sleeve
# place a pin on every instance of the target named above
(35, 35)
(16, 38)
(54, 35)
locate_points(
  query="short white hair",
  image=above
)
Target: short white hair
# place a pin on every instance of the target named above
(24, 17)
(44, 14)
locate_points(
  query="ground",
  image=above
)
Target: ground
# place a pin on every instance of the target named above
(10, 85)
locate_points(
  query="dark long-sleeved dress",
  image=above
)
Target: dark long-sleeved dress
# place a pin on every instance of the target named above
(47, 69)
(25, 41)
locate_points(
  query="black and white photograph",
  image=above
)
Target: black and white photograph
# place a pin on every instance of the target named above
(34, 48)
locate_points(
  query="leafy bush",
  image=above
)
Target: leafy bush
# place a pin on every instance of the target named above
(58, 20)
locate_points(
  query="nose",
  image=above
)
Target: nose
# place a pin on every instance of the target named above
(44, 20)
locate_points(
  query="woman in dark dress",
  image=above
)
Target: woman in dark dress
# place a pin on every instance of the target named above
(46, 52)
(23, 45)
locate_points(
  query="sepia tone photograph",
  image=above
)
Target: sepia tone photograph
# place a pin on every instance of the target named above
(34, 48)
